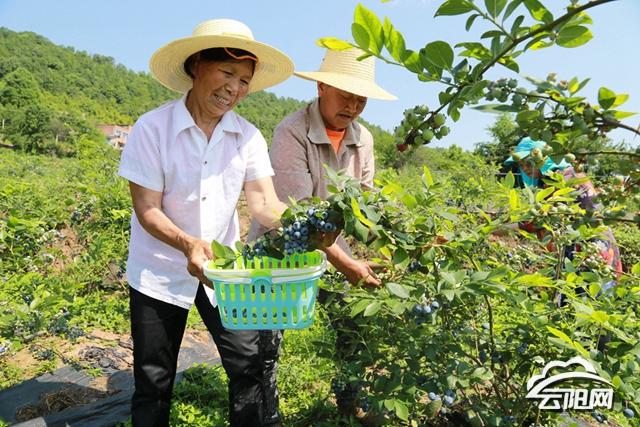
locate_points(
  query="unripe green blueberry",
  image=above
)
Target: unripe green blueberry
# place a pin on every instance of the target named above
(444, 131)
(513, 83)
(428, 135)
(439, 120)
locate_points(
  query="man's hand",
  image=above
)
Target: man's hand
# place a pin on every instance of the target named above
(198, 252)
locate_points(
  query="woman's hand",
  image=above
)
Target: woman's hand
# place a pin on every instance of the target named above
(198, 252)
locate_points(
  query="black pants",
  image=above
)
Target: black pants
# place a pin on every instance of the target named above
(157, 329)
(270, 348)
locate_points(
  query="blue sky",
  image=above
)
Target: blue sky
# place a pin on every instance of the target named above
(131, 30)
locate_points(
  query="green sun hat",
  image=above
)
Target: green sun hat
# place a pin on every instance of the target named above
(524, 149)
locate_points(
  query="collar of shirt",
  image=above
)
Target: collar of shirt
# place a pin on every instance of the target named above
(317, 130)
(183, 120)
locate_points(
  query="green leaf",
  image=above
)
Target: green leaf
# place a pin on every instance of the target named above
(538, 11)
(635, 270)
(437, 54)
(394, 41)
(623, 114)
(475, 50)
(412, 61)
(361, 231)
(515, 28)
(426, 177)
(470, 20)
(558, 333)
(527, 116)
(482, 373)
(397, 290)
(496, 108)
(355, 207)
(621, 98)
(454, 7)
(543, 194)
(371, 24)
(573, 36)
(511, 8)
(449, 294)
(514, 200)
(432, 408)
(360, 35)
(359, 307)
(495, 7)
(606, 98)
(372, 308)
(509, 180)
(401, 258)
(600, 316)
(333, 43)
(402, 411)
(218, 249)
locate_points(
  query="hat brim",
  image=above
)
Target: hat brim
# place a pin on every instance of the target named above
(349, 84)
(550, 165)
(167, 63)
(520, 154)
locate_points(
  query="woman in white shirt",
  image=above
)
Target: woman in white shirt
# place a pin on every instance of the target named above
(187, 162)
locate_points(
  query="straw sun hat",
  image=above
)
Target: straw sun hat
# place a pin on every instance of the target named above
(341, 69)
(167, 63)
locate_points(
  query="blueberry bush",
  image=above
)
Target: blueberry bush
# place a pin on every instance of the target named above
(463, 319)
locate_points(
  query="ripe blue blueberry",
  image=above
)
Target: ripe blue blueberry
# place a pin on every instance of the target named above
(628, 412)
(433, 396)
(435, 305)
(448, 400)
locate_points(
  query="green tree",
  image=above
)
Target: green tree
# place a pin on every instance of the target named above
(20, 89)
(34, 127)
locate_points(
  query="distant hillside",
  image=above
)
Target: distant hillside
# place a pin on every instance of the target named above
(52, 96)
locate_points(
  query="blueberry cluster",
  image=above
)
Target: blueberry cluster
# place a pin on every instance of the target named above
(298, 233)
(419, 126)
(424, 310)
(448, 398)
(502, 88)
(345, 392)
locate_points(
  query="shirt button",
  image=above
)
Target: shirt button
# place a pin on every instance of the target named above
(205, 162)
(204, 198)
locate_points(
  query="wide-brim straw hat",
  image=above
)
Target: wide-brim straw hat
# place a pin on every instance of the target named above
(167, 63)
(343, 70)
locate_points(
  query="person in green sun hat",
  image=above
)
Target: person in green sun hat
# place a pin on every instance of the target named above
(530, 164)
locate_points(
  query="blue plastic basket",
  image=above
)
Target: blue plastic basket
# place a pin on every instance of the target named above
(268, 293)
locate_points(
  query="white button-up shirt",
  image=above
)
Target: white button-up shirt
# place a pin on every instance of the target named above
(200, 182)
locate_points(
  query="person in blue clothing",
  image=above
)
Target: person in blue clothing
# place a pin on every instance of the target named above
(530, 165)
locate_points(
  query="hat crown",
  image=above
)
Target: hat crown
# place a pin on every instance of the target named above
(346, 62)
(223, 27)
